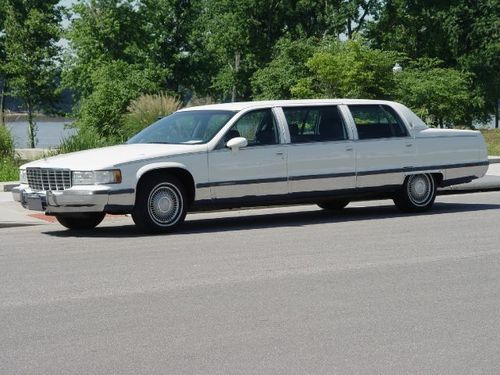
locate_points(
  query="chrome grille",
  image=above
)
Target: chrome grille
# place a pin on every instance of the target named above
(48, 178)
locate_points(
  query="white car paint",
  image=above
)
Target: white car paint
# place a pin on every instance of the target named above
(253, 175)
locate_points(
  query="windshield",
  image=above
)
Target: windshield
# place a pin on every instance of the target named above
(186, 127)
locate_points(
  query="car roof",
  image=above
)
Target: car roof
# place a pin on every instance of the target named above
(239, 106)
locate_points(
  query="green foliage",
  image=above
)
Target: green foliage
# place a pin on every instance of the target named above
(441, 96)
(115, 85)
(102, 31)
(6, 143)
(174, 44)
(31, 30)
(288, 66)
(147, 109)
(492, 139)
(9, 169)
(462, 34)
(348, 69)
(86, 139)
(8, 165)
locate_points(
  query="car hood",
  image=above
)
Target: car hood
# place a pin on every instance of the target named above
(109, 157)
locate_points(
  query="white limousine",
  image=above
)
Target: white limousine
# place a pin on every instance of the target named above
(327, 152)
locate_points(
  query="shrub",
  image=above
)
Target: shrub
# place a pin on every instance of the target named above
(86, 139)
(6, 143)
(147, 109)
(9, 169)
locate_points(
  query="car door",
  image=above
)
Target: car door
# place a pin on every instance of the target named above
(384, 149)
(256, 171)
(320, 154)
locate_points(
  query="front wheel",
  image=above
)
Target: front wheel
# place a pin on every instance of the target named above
(160, 205)
(417, 194)
(80, 220)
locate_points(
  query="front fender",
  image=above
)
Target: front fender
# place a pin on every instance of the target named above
(159, 165)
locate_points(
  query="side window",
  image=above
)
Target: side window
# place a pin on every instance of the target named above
(258, 127)
(377, 121)
(315, 124)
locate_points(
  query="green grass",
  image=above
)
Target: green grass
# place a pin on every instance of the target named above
(492, 138)
(9, 169)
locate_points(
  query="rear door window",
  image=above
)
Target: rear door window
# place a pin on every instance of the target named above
(377, 121)
(315, 124)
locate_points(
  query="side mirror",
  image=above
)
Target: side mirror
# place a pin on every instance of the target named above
(236, 143)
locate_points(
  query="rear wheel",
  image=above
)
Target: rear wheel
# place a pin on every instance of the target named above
(335, 205)
(417, 194)
(80, 220)
(160, 205)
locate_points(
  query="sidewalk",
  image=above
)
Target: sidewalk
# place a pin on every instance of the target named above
(12, 214)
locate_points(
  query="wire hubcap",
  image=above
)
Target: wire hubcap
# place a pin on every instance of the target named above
(420, 189)
(165, 204)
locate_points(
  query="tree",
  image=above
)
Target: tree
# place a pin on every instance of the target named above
(32, 29)
(232, 34)
(115, 85)
(240, 35)
(440, 96)
(3, 73)
(174, 45)
(101, 32)
(348, 69)
(288, 66)
(463, 34)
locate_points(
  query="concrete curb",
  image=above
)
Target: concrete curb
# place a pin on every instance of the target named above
(8, 186)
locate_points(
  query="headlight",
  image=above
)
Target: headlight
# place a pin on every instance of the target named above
(23, 176)
(97, 177)
(108, 177)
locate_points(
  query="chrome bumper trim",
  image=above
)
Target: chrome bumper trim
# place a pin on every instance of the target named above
(53, 202)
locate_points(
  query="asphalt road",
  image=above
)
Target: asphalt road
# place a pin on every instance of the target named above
(289, 290)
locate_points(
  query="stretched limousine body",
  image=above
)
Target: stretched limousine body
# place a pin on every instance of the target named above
(327, 152)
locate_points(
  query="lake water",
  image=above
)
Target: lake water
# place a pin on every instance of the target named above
(50, 132)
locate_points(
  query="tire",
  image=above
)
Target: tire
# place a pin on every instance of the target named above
(336, 205)
(80, 221)
(417, 194)
(160, 205)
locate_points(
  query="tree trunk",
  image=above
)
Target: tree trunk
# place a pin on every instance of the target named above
(31, 127)
(497, 107)
(3, 89)
(349, 28)
(237, 56)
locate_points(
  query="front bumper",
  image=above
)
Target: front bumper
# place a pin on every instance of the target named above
(86, 199)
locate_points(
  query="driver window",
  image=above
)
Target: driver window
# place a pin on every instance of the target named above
(258, 127)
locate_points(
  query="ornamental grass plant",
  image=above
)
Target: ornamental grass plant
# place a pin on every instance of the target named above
(147, 109)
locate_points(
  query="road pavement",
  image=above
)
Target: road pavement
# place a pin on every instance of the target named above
(290, 290)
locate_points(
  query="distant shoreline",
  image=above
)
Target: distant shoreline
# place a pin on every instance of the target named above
(20, 117)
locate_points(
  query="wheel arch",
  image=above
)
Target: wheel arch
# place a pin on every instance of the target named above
(174, 169)
(438, 176)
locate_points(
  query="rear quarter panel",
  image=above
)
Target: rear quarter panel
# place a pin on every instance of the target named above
(445, 148)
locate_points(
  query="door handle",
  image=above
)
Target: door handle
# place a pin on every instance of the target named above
(409, 145)
(348, 148)
(280, 153)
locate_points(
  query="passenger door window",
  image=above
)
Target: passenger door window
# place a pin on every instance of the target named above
(377, 121)
(315, 124)
(258, 127)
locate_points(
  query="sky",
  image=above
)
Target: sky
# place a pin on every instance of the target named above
(67, 3)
